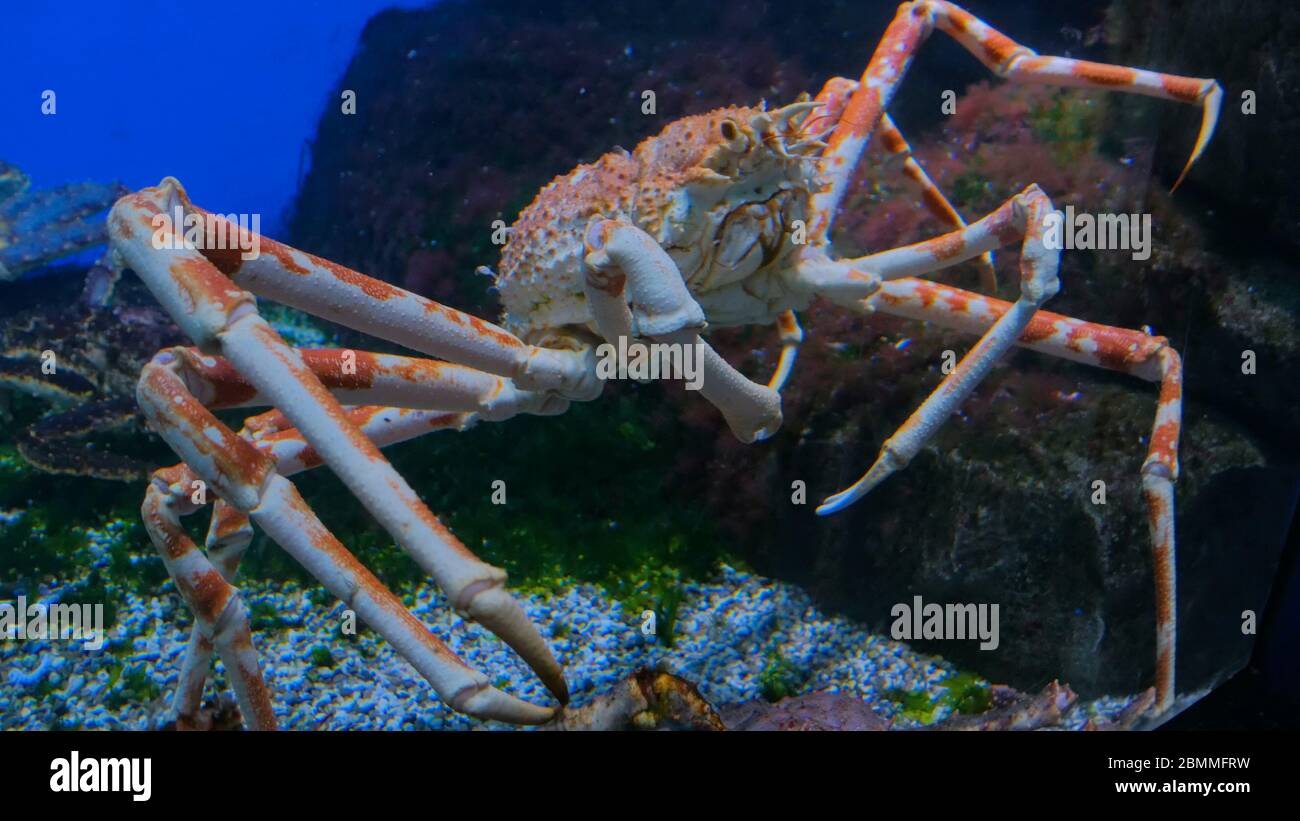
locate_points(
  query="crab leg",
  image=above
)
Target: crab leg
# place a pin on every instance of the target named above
(437, 383)
(791, 338)
(230, 531)
(915, 21)
(933, 199)
(360, 377)
(331, 291)
(221, 317)
(246, 479)
(1024, 215)
(353, 376)
(1117, 349)
(219, 616)
(623, 261)
(834, 97)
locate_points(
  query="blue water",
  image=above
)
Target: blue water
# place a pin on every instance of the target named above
(223, 97)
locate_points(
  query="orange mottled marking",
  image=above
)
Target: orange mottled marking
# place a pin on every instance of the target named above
(1186, 89)
(121, 225)
(494, 333)
(892, 140)
(268, 422)
(445, 420)
(946, 247)
(959, 20)
(1006, 231)
(208, 593)
(1040, 328)
(284, 256)
(860, 115)
(336, 370)
(936, 204)
(204, 284)
(230, 388)
(998, 47)
(1102, 74)
(957, 301)
(229, 521)
(1164, 441)
(374, 288)
(416, 371)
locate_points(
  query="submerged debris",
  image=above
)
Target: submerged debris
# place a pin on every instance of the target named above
(37, 227)
(647, 700)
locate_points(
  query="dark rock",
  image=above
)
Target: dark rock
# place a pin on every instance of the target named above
(817, 711)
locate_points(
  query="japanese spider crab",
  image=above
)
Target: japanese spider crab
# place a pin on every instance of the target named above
(699, 225)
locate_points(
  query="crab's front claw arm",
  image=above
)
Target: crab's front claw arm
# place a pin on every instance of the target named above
(624, 262)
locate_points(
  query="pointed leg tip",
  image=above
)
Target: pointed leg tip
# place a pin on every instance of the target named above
(489, 703)
(834, 504)
(498, 611)
(558, 687)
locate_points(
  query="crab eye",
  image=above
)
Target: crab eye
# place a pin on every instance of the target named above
(731, 133)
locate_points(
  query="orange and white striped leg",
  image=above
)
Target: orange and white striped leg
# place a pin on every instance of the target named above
(931, 197)
(352, 376)
(791, 338)
(220, 620)
(1104, 346)
(229, 534)
(363, 378)
(422, 386)
(833, 98)
(915, 21)
(325, 289)
(230, 531)
(221, 318)
(849, 281)
(246, 478)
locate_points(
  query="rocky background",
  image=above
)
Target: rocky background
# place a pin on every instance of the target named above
(466, 109)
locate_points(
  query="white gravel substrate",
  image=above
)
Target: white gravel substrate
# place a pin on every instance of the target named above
(726, 633)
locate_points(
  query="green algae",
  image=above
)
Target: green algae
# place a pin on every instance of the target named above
(964, 693)
(129, 684)
(780, 678)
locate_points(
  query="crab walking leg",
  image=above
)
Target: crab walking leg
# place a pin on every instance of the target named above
(1025, 214)
(246, 478)
(220, 620)
(934, 200)
(1117, 349)
(623, 262)
(791, 338)
(833, 97)
(848, 281)
(220, 317)
(229, 534)
(351, 374)
(360, 377)
(325, 289)
(230, 531)
(915, 21)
